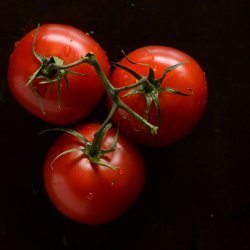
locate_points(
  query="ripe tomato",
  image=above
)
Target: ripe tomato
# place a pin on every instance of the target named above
(179, 114)
(89, 193)
(68, 44)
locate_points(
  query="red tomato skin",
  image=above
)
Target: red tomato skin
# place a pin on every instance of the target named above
(88, 193)
(179, 114)
(69, 44)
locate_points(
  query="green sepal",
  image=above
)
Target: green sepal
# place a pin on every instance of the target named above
(151, 75)
(37, 55)
(102, 163)
(177, 92)
(133, 73)
(132, 62)
(167, 70)
(152, 97)
(149, 100)
(38, 98)
(66, 152)
(47, 81)
(138, 90)
(33, 76)
(69, 131)
(75, 73)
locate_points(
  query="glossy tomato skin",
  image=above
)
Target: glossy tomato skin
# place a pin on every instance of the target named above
(88, 193)
(179, 114)
(69, 44)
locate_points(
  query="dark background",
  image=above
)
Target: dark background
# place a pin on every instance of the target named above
(197, 195)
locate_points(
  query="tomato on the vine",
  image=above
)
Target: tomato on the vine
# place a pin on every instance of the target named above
(78, 96)
(178, 113)
(90, 193)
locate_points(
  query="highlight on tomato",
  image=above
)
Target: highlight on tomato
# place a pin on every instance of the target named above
(48, 78)
(93, 184)
(173, 96)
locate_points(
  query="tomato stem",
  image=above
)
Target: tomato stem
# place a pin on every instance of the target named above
(53, 70)
(96, 144)
(113, 92)
(71, 65)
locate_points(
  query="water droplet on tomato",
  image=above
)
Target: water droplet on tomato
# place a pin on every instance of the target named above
(90, 196)
(155, 68)
(16, 43)
(149, 56)
(120, 171)
(66, 51)
(112, 183)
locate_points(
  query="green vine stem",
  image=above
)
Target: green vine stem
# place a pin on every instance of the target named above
(95, 149)
(112, 91)
(53, 70)
(95, 152)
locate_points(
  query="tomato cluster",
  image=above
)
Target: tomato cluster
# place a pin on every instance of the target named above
(155, 97)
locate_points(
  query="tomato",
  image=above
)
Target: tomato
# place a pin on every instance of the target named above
(179, 114)
(68, 44)
(89, 193)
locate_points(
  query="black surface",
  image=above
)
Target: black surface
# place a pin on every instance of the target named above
(197, 195)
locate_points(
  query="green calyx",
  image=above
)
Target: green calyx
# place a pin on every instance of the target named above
(151, 87)
(90, 150)
(51, 70)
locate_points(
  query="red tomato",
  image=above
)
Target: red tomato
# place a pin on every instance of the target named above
(68, 44)
(179, 114)
(89, 193)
